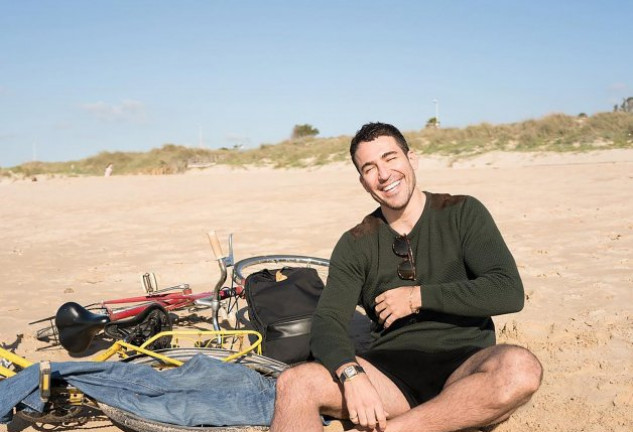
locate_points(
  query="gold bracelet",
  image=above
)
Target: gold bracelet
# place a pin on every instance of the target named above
(411, 308)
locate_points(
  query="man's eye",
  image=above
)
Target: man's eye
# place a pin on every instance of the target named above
(369, 169)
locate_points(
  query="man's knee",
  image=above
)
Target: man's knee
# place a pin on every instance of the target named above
(520, 373)
(305, 377)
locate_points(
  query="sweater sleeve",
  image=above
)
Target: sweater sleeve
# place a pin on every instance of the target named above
(493, 286)
(330, 342)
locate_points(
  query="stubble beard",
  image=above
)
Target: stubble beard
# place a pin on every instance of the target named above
(395, 206)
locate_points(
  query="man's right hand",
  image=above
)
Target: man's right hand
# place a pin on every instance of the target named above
(397, 303)
(364, 404)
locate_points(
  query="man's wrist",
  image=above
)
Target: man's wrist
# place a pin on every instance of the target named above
(350, 372)
(415, 299)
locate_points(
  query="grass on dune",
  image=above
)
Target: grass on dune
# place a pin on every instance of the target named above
(556, 132)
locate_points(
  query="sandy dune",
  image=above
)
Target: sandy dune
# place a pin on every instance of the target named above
(567, 218)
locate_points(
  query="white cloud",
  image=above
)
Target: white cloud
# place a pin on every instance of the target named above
(127, 111)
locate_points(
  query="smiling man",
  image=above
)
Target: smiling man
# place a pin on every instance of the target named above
(430, 270)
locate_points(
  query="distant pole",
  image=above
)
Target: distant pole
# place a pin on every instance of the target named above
(437, 113)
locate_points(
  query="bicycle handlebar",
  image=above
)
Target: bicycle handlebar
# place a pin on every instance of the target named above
(215, 245)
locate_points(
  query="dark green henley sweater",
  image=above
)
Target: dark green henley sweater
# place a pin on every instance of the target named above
(464, 268)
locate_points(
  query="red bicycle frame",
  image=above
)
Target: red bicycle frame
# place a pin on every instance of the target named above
(170, 301)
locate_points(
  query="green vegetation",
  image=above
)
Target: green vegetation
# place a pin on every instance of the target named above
(304, 130)
(432, 123)
(557, 132)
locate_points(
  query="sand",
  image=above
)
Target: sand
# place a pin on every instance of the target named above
(568, 220)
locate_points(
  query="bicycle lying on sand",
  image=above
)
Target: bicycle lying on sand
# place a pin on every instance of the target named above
(136, 319)
(66, 404)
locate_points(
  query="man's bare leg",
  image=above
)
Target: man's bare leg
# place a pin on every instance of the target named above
(301, 391)
(306, 391)
(485, 390)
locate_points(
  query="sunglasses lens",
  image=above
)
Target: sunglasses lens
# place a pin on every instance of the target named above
(401, 247)
(406, 270)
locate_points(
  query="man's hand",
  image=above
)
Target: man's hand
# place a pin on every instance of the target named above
(397, 303)
(363, 403)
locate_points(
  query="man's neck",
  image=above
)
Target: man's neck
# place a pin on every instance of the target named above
(403, 220)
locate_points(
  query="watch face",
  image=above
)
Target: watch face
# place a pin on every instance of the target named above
(350, 372)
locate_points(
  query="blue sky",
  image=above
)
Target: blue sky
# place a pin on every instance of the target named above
(81, 77)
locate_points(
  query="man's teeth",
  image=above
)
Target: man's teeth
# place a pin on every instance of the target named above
(391, 186)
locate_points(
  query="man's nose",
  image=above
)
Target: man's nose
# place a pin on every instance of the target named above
(383, 173)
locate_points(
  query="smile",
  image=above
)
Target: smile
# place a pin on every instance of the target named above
(391, 186)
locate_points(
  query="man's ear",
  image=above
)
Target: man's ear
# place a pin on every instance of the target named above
(413, 159)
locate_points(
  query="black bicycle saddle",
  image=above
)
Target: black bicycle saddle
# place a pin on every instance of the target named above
(77, 326)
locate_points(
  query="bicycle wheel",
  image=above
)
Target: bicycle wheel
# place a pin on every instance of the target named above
(247, 266)
(129, 421)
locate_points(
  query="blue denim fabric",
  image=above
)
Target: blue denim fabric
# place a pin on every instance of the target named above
(204, 391)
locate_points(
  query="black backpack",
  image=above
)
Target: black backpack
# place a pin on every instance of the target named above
(281, 303)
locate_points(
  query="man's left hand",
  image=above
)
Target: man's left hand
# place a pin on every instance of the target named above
(396, 303)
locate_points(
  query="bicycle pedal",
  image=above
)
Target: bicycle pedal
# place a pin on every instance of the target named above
(76, 397)
(149, 283)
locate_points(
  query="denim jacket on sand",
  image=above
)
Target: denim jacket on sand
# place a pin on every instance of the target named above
(204, 391)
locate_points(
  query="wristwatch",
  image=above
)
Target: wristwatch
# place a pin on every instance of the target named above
(350, 372)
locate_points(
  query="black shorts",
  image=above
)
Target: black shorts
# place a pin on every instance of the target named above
(420, 376)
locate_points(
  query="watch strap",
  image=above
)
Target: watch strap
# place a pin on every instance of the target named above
(350, 372)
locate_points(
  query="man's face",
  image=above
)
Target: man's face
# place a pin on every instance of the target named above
(386, 172)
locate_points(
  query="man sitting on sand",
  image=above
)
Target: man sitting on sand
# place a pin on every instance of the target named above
(430, 270)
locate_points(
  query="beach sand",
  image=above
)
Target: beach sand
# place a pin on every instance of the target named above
(568, 219)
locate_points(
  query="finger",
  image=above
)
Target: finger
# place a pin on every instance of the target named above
(380, 307)
(380, 298)
(381, 418)
(384, 314)
(388, 321)
(353, 417)
(371, 420)
(362, 418)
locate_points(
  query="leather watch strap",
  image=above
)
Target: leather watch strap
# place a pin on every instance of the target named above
(350, 372)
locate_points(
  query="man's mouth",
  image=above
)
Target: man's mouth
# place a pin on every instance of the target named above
(391, 186)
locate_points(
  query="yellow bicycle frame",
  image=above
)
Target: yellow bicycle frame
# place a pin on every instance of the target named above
(124, 349)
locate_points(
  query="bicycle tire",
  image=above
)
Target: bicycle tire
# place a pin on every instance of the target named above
(129, 421)
(247, 266)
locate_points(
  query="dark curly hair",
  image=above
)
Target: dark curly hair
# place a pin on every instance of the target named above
(371, 131)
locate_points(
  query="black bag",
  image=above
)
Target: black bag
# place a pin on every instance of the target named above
(281, 303)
